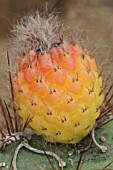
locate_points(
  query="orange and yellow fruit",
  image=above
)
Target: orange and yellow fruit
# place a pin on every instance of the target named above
(61, 88)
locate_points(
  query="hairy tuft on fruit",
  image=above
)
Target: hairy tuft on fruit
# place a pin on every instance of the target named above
(39, 31)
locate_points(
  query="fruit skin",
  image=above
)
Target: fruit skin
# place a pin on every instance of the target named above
(61, 88)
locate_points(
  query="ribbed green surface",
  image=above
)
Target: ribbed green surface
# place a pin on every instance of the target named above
(93, 161)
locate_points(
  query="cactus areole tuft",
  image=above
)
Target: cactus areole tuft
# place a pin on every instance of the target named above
(61, 88)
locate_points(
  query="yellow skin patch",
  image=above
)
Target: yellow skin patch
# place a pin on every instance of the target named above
(62, 90)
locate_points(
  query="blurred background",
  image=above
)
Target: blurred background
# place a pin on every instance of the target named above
(93, 17)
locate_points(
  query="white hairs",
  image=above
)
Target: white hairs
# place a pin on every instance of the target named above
(41, 31)
(36, 31)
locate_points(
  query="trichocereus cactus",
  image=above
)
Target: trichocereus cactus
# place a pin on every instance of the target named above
(57, 81)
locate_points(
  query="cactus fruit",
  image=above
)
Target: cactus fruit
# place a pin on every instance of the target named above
(59, 85)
